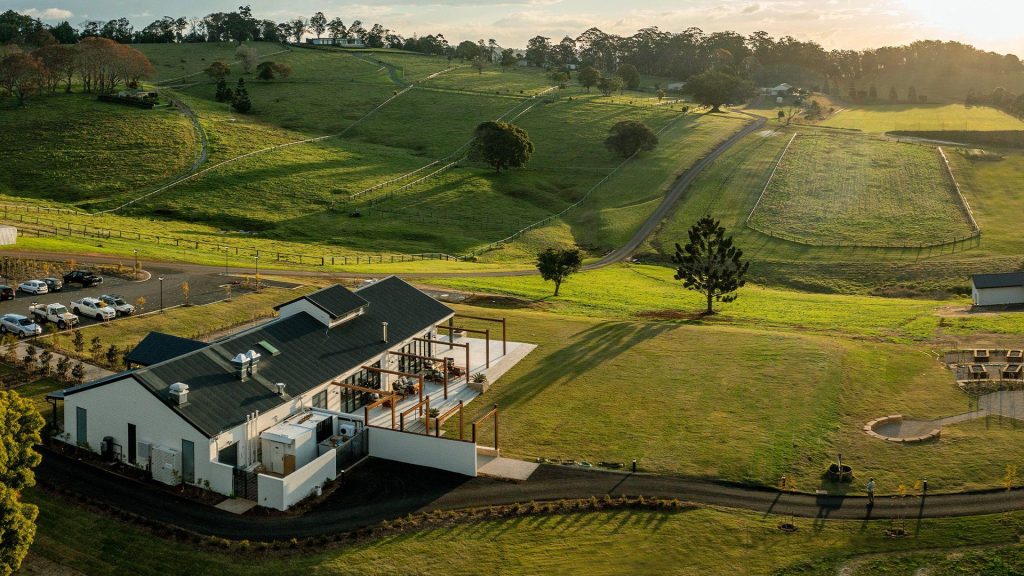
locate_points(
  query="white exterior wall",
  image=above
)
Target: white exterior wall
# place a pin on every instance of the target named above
(998, 296)
(8, 235)
(441, 453)
(283, 493)
(303, 305)
(222, 478)
(111, 407)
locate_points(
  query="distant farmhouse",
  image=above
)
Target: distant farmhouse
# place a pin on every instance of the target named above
(343, 41)
(997, 289)
(780, 90)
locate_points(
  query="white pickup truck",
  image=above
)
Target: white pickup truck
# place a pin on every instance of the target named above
(55, 313)
(93, 308)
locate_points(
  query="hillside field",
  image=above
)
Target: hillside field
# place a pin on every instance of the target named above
(882, 118)
(839, 189)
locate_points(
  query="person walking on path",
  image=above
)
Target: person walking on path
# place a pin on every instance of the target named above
(871, 492)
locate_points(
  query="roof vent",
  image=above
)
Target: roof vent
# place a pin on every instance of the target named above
(280, 388)
(240, 363)
(384, 330)
(254, 360)
(179, 392)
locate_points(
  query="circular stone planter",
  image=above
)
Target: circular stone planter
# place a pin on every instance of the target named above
(836, 473)
(891, 429)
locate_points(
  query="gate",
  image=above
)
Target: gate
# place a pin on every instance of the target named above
(354, 450)
(245, 484)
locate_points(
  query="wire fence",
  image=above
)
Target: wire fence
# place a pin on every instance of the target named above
(38, 226)
(896, 244)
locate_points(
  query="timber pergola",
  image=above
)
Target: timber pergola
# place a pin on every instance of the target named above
(444, 370)
(397, 373)
(502, 321)
(450, 344)
(451, 336)
(366, 409)
(492, 412)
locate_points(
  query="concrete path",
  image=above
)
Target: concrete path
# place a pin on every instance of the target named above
(1005, 404)
(505, 468)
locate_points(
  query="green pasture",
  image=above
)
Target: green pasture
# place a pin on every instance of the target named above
(838, 189)
(881, 118)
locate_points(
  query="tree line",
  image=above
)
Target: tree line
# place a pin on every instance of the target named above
(762, 58)
(99, 64)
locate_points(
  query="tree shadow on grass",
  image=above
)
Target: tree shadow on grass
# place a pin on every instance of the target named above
(581, 353)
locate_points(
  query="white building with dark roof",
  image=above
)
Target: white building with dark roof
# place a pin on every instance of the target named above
(997, 289)
(274, 412)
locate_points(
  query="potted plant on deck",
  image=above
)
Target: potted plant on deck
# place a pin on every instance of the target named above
(479, 382)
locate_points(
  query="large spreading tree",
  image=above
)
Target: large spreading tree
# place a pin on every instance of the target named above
(629, 137)
(710, 263)
(714, 88)
(19, 433)
(588, 77)
(502, 145)
(557, 265)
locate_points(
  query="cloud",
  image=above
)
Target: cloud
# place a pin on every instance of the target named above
(752, 8)
(49, 13)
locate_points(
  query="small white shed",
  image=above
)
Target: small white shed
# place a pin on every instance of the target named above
(8, 235)
(997, 289)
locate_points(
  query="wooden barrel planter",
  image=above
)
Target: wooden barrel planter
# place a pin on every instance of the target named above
(836, 473)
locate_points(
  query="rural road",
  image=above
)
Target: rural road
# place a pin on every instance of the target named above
(380, 490)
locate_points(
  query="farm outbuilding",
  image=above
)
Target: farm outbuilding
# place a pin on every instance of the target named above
(997, 289)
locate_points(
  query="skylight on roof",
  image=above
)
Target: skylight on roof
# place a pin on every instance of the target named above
(269, 347)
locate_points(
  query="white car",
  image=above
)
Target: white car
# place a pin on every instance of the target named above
(117, 303)
(19, 325)
(93, 308)
(34, 287)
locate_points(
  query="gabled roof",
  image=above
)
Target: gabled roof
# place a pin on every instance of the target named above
(310, 354)
(336, 300)
(1006, 280)
(157, 347)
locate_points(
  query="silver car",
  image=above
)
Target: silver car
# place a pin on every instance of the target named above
(34, 287)
(19, 325)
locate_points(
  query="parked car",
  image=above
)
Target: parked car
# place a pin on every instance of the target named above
(6, 292)
(19, 325)
(82, 277)
(55, 313)
(118, 304)
(93, 308)
(54, 284)
(33, 287)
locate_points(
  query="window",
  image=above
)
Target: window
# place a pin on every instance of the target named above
(320, 400)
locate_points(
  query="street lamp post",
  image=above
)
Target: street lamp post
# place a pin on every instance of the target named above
(225, 261)
(136, 250)
(257, 257)
(161, 293)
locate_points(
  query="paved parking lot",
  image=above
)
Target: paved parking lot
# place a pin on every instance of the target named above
(203, 288)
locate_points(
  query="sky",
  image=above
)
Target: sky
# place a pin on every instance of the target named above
(854, 24)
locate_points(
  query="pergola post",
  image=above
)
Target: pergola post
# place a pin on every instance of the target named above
(504, 325)
(432, 359)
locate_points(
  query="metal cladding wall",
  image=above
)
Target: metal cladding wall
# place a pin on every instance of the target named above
(442, 453)
(8, 235)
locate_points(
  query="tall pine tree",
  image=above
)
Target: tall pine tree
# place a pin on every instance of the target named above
(241, 103)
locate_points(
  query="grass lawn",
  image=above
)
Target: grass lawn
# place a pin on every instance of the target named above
(71, 148)
(889, 117)
(717, 542)
(838, 189)
(173, 61)
(734, 403)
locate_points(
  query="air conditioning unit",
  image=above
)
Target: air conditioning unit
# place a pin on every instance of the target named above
(166, 465)
(143, 452)
(346, 429)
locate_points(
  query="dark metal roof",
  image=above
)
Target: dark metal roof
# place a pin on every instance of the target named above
(158, 347)
(310, 354)
(1007, 280)
(336, 300)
